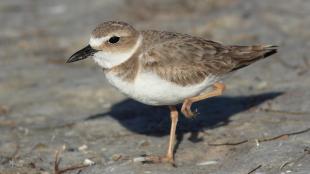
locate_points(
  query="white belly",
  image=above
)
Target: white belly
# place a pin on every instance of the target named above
(150, 89)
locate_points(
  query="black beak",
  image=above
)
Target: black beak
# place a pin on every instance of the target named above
(82, 54)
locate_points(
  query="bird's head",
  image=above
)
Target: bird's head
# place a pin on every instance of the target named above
(111, 43)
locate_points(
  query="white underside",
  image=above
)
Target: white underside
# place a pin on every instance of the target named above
(150, 89)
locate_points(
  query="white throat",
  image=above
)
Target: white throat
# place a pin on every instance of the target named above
(108, 60)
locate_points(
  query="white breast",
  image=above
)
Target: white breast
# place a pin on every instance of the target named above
(150, 89)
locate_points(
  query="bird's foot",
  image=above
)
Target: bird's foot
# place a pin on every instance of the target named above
(155, 159)
(186, 109)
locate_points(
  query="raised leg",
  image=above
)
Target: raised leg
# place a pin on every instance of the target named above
(186, 107)
(169, 156)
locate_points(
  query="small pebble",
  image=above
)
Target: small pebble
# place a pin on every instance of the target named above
(44, 172)
(64, 147)
(139, 159)
(262, 85)
(83, 147)
(24, 130)
(205, 163)
(4, 110)
(40, 146)
(257, 142)
(88, 162)
(116, 157)
(144, 143)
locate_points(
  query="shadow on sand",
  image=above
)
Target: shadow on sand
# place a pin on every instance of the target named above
(155, 121)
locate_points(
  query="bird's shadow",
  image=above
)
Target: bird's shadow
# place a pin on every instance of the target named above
(155, 121)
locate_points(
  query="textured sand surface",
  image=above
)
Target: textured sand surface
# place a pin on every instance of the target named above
(46, 105)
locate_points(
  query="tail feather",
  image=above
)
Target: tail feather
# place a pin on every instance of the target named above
(246, 55)
(272, 49)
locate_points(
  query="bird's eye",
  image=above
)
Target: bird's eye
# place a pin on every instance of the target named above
(114, 39)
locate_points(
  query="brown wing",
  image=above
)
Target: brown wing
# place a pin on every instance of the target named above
(187, 60)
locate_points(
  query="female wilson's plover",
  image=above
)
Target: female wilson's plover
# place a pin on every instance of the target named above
(165, 68)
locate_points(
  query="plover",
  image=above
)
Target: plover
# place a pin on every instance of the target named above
(165, 68)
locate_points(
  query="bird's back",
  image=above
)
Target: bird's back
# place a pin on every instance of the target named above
(188, 60)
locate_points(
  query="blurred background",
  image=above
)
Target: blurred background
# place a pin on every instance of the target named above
(46, 104)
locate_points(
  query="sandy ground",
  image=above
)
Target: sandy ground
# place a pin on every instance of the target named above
(46, 105)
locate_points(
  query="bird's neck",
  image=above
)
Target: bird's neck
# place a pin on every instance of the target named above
(129, 69)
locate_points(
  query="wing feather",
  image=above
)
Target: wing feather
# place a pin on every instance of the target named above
(188, 60)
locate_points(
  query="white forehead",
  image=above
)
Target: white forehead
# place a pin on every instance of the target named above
(96, 42)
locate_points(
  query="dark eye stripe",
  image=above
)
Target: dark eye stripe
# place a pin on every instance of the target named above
(114, 39)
